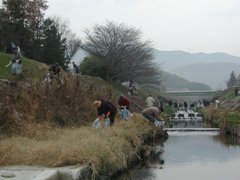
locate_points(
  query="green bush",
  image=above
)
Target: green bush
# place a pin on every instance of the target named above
(93, 66)
(234, 118)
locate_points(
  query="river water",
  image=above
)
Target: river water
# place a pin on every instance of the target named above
(191, 156)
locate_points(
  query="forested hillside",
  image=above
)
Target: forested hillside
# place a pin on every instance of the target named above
(174, 82)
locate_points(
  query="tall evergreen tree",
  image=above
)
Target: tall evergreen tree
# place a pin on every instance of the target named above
(20, 22)
(72, 41)
(232, 80)
(54, 46)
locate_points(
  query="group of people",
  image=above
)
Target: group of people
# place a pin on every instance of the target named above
(153, 113)
(105, 108)
(54, 73)
(184, 106)
(109, 110)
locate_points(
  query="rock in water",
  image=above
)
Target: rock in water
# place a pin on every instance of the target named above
(8, 175)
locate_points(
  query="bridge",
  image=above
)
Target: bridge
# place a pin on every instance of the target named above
(192, 93)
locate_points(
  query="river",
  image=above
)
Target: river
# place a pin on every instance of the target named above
(191, 156)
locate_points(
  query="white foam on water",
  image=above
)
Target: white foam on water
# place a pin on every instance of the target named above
(191, 133)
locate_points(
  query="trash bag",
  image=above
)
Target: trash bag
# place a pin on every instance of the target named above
(106, 122)
(96, 123)
(124, 113)
(159, 123)
(16, 68)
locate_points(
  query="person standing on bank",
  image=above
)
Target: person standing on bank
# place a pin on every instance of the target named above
(150, 101)
(16, 62)
(106, 108)
(75, 68)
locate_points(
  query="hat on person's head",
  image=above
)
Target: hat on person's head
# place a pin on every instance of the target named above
(97, 103)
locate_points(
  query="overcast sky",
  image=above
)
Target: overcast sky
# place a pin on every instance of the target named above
(189, 25)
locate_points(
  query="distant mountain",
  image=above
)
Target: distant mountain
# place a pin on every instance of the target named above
(170, 60)
(211, 69)
(214, 75)
(174, 82)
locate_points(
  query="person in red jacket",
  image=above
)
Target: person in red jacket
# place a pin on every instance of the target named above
(123, 102)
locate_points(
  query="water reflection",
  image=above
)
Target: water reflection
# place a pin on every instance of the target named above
(191, 155)
(185, 124)
(154, 159)
(228, 140)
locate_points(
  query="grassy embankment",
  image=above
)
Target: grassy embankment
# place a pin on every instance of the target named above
(33, 70)
(227, 117)
(106, 151)
(51, 126)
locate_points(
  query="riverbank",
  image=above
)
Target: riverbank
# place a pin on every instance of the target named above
(226, 115)
(106, 151)
(225, 119)
(50, 125)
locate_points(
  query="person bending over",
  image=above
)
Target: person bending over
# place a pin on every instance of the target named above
(106, 108)
(152, 114)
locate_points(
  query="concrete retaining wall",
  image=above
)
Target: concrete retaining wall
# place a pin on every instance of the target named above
(41, 173)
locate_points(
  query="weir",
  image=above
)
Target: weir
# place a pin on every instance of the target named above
(187, 121)
(191, 129)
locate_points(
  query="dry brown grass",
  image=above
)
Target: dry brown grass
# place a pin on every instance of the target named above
(104, 150)
(217, 117)
(33, 103)
(51, 126)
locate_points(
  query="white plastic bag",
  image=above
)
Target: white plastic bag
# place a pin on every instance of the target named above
(106, 122)
(96, 123)
(124, 113)
(159, 123)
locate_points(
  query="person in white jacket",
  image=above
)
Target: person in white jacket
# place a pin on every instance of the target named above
(150, 101)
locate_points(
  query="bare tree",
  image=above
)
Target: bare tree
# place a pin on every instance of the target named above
(126, 56)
